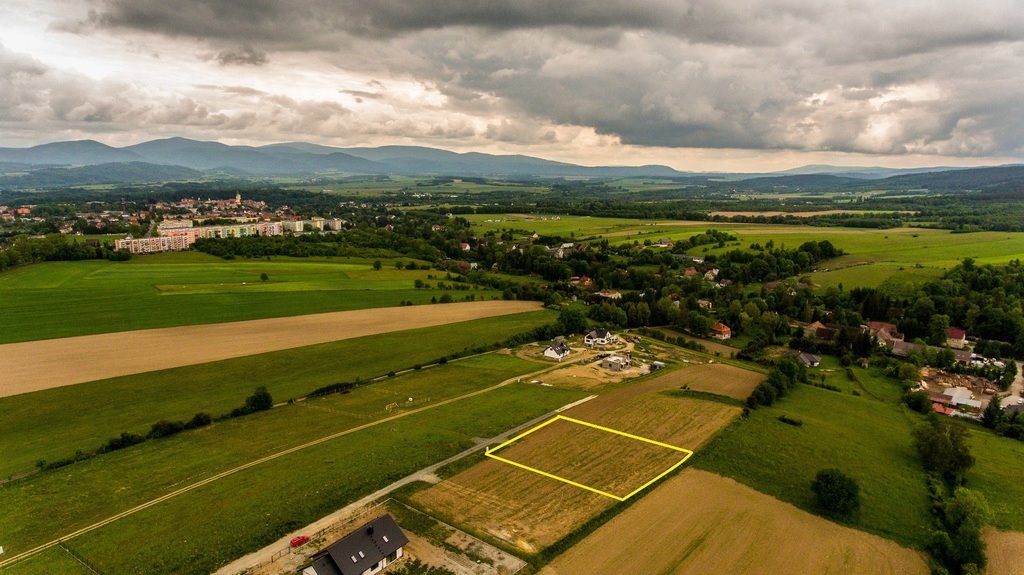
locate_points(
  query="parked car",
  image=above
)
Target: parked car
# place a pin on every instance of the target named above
(299, 540)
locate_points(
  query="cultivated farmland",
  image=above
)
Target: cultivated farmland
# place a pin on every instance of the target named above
(731, 381)
(54, 423)
(53, 363)
(531, 511)
(1004, 552)
(699, 523)
(63, 299)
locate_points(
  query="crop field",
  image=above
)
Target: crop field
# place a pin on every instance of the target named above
(531, 511)
(62, 299)
(206, 527)
(1003, 552)
(699, 522)
(54, 423)
(728, 381)
(58, 362)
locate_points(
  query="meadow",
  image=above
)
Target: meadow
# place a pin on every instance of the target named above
(55, 423)
(209, 526)
(62, 299)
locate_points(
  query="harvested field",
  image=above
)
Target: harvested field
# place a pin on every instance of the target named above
(36, 365)
(1004, 552)
(603, 460)
(532, 511)
(702, 523)
(713, 346)
(729, 381)
(729, 214)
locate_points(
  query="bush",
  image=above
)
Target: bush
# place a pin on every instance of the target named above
(163, 428)
(260, 400)
(918, 401)
(124, 440)
(199, 420)
(790, 421)
(837, 494)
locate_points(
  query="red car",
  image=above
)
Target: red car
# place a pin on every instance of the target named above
(299, 540)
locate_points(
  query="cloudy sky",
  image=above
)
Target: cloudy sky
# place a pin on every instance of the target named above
(742, 85)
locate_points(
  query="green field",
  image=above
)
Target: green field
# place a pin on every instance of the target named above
(207, 527)
(61, 299)
(874, 257)
(865, 438)
(999, 474)
(54, 423)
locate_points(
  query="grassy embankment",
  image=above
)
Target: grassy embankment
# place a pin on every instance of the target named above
(54, 423)
(207, 527)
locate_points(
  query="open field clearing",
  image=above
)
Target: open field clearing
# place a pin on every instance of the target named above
(1004, 552)
(531, 511)
(53, 363)
(63, 299)
(730, 381)
(997, 474)
(729, 214)
(201, 529)
(54, 423)
(700, 523)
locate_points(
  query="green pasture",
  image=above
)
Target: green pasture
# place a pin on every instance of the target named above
(61, 299)
(998, 473)
(865, 438)
(55, 423)
(212, 525)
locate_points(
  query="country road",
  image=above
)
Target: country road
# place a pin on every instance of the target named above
(43, 547)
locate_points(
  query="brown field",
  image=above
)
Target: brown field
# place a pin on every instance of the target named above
(729, 381)
(532, 511)
(702, 523)
(35, 365)
(1005, 552)
(588, 376)
(713, 346)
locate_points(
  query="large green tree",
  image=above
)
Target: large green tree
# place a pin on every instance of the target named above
(837, 493)
(942, 446)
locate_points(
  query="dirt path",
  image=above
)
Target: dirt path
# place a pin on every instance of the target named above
(35, 365)
(271, 457)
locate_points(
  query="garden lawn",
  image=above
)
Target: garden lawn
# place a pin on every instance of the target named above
(55, 423)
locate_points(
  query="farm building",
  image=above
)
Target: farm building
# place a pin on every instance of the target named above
(808, 359)
(615, 363)
(721, 331)
(365, 551)
(705, 304)
(600, 336)
(557, 351)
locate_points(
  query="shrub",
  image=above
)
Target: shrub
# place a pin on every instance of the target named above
(199, 420)
(837, 494)
(163, 428)
(124, 440)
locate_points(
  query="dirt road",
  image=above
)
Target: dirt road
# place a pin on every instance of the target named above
(35, 365)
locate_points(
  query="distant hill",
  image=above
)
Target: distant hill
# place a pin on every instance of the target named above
(867, 173)
(304, 159)
(110, 173)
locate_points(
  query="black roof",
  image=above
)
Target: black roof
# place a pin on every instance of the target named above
(361, 549)
(599, 333)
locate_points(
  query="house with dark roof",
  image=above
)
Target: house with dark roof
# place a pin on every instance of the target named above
(557, 351)
(808, 359)
(599, 336)
(365, 551)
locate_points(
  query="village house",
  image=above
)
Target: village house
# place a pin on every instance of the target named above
(956, 338)
(705, 304)
(557, 351)
(365, 551)
(721, 331)
(808, 359)
(605, 294)
(600, 336)
(690, 273)
(663, 243)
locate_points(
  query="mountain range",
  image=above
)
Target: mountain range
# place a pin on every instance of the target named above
(90, 162)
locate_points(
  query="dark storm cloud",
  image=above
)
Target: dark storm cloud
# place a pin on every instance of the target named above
(871, 76)
(243, 56)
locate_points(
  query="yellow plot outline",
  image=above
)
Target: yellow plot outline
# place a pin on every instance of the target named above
(489, 452)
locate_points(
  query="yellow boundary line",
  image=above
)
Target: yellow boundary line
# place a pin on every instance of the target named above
(489, 452)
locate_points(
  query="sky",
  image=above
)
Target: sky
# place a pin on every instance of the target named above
(733, 85)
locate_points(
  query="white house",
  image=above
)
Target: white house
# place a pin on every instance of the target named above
(600, 337)
(558, 351)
